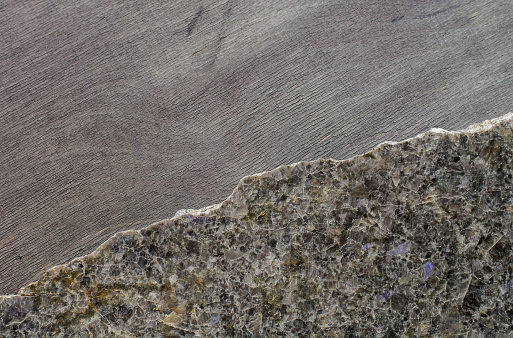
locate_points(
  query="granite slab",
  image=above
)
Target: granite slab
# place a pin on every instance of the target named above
(412, 238)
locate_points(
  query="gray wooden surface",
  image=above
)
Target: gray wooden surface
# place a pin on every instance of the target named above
(115, 114)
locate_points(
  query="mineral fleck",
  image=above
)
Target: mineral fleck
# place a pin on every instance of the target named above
(410, 239)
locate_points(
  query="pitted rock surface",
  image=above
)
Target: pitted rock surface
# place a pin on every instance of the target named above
(410, 239)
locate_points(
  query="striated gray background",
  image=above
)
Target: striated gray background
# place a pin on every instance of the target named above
(115, 114)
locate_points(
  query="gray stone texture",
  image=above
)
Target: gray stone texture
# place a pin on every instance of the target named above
(410, 239)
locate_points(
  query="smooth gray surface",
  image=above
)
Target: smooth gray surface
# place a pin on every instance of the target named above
(117, 114)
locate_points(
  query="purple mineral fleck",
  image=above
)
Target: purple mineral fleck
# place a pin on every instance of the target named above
(428, 268)
(400, 249)
(215, 319)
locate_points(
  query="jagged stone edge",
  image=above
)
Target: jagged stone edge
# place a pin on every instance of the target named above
(235, 199)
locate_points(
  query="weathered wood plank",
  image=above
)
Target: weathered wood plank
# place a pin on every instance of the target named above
(116, 114)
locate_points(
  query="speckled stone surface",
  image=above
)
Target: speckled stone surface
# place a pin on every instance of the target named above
(411, 239)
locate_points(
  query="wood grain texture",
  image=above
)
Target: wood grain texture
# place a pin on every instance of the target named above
(117, 114)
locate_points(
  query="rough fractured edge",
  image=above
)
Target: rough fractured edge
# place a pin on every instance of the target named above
(234, 198)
